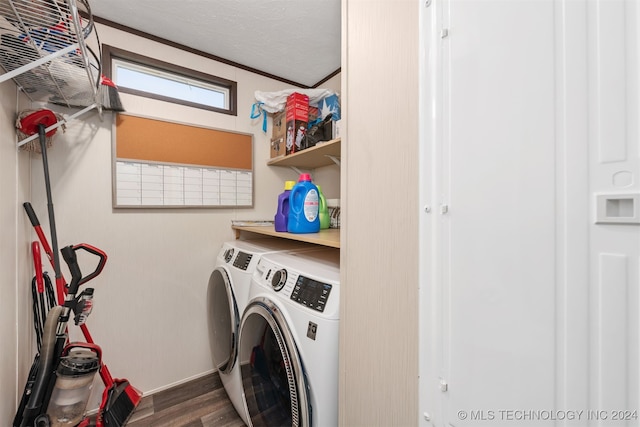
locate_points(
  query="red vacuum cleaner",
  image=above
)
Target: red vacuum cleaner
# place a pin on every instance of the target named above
(61, 377)
(120, 398)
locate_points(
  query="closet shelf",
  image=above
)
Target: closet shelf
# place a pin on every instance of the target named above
(328, 237)
(43, 49)
(322, 154)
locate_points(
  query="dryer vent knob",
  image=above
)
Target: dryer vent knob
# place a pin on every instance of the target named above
(279, 279)
(228, 254)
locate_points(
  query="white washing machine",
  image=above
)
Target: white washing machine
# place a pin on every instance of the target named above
(227, 295)
(289, 340)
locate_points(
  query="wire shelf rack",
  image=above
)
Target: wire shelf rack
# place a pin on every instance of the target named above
(43, 49)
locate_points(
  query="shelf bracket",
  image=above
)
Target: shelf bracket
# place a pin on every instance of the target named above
(335, 160)
(296, 170)
(60, 123)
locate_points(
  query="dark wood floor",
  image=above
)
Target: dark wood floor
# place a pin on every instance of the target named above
(202, 402)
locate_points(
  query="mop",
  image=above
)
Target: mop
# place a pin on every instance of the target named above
(30, 123)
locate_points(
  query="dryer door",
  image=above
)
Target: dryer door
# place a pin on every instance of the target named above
(224, 321)
(273, 379)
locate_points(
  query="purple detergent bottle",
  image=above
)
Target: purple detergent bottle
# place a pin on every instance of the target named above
(282, 214)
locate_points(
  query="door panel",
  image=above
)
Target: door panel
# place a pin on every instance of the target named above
(535, 119)
(500, 189)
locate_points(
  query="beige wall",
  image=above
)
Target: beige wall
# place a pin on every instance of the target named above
(379, 312)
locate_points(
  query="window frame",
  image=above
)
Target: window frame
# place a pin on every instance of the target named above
(109, 53)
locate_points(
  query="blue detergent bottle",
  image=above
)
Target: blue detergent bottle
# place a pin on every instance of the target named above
(280, 220)
(304, 202)
(323, 211)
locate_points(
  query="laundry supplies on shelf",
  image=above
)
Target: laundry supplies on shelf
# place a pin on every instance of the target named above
(323, 210)
(304, 207)
(282, 214)
(297, 119)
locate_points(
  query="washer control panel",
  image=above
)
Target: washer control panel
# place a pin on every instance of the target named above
(290, 285)
(311, 293)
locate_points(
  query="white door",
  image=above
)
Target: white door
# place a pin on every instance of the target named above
(530, 237)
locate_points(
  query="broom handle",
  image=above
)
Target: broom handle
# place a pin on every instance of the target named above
(52, 221)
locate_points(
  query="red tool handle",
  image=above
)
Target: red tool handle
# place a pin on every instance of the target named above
(60, 282)
(69, 255)
(37, 265)
(95, 251)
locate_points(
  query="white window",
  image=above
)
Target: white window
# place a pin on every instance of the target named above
(143, 76)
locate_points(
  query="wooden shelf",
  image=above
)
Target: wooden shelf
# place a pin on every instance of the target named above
(322, 154)
(319, 155)
(329, 237)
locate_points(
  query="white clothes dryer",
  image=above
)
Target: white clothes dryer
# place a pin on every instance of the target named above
(227, 296)
(289, 340)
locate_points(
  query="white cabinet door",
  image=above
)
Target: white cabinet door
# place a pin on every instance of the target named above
(531, 113)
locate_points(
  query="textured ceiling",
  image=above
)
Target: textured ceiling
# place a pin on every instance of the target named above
(294, 40)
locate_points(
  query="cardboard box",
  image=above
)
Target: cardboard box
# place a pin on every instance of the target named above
(278, 146)
(279, 125)
(297, 117)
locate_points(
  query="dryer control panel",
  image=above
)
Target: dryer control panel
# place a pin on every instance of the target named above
(242, 260)
(311, 293)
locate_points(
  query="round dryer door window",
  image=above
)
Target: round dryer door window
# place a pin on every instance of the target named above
(273, 380)
(224, 321)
